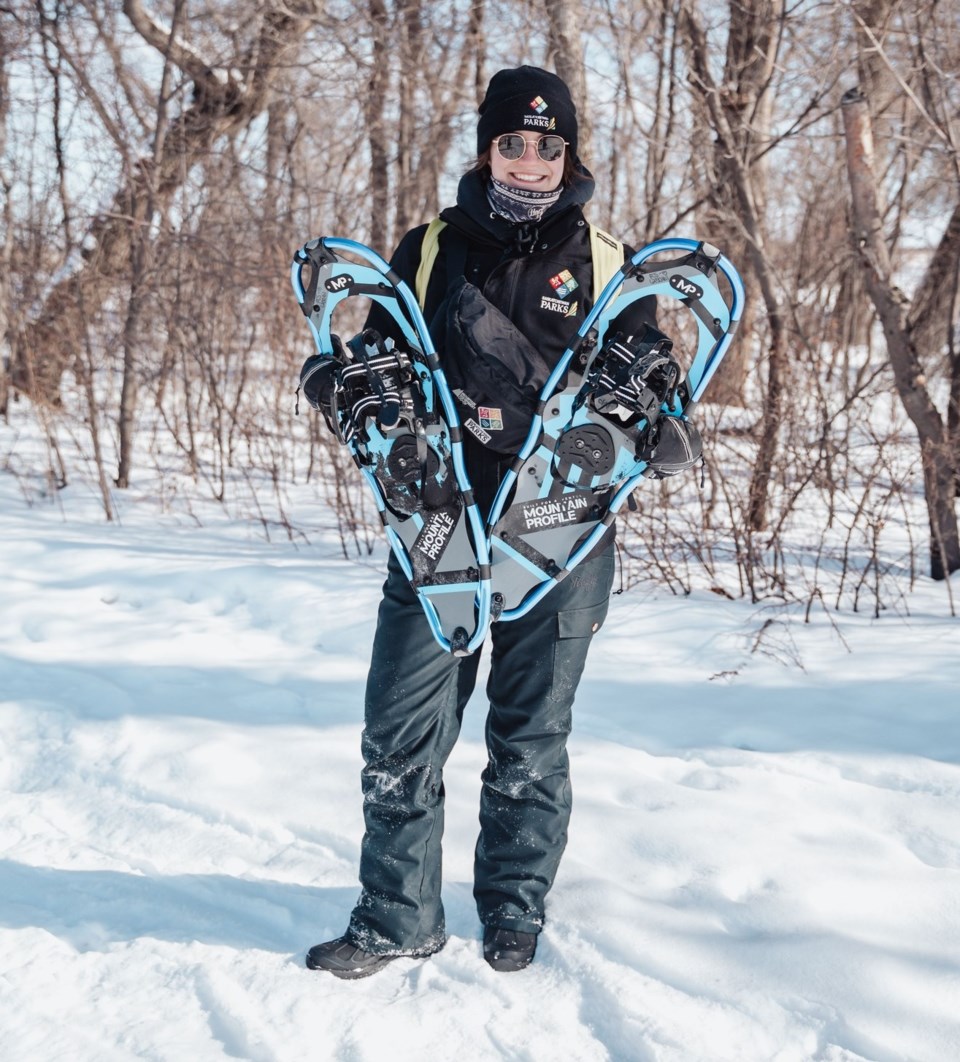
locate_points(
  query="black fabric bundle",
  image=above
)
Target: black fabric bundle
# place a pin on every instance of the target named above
(494, 371)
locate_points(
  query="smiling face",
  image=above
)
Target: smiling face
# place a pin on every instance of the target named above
(528, 171)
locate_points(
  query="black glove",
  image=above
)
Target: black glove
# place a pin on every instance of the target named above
(669, 446)
(318, 378)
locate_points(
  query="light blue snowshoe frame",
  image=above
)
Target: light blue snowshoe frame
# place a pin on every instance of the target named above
(548, 515)
(455, 593)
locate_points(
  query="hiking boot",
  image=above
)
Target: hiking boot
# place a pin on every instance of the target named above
(346, 960)
(507, 950)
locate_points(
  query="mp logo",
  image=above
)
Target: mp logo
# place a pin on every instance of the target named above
(686, 287)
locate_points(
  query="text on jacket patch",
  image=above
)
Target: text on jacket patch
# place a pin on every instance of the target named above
(568, 309)
(472, 426)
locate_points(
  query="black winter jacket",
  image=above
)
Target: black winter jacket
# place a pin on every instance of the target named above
(519, 269)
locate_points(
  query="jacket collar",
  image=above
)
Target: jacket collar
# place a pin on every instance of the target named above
(475, 218)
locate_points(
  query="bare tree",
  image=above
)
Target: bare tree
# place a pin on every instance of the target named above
(754, 35)
(225, 97)
(6, 185)
(936, 453)
(749, 211)
(374, 103)
(141, 212)
(566, 51)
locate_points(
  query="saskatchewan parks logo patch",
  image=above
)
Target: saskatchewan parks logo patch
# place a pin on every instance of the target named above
(563, 283)
(491, 418)
(568, 309)
(474, 428)
(539, 120)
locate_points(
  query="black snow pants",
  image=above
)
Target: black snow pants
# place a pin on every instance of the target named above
(415, 699)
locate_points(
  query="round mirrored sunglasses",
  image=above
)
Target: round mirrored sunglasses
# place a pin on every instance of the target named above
(511, 146)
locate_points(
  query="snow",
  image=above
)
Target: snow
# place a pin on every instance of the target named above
(764, 858)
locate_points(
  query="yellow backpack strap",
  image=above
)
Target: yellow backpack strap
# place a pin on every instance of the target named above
(429, 250)
(607, 255)
(606, 252)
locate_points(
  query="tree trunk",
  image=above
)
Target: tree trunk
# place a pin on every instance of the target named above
(752, 44)
(934, 308)
(748, 213)
(934, 322)
(566, 50)
(411, 118)
(936, 455)
(477, 9)
(136, 303)
(953, 411)
(871, 23)
(448, 96)
(141, 215)
(6, 247)
(661, 126)
(376, 138)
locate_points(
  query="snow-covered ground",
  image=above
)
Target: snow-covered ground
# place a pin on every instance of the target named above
(764, 861)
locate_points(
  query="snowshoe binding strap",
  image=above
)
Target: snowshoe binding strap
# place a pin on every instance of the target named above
(370, 383)
(631, 378)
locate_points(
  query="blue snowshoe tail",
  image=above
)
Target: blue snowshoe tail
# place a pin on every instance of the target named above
(392, 408)
(595, 437)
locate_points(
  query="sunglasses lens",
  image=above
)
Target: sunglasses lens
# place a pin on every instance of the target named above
(550, 148)
(510, 146)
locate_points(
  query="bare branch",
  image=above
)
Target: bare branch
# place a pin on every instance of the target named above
(181, 54)
(907, 90)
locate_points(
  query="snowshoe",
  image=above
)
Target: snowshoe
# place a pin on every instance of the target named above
(389, 403)
(614, 410)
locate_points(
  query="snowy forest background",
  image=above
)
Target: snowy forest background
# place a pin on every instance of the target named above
(764, 856)
(161, 162)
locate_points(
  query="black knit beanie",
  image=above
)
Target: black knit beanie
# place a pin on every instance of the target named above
(527, 98)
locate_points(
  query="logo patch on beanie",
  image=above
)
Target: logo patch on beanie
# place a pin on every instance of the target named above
(539, 121)
(539, 104)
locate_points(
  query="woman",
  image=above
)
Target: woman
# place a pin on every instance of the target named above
(517, 227)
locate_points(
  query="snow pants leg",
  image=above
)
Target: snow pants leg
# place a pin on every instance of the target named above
(416, 694)
(526, 798)
(415, 698)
